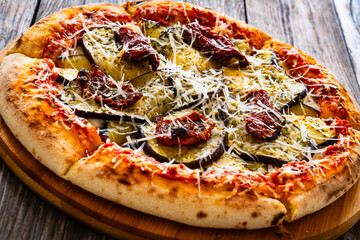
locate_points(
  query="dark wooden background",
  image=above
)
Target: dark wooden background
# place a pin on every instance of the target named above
(329, 30)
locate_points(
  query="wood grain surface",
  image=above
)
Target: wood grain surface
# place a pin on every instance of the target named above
(327, 30)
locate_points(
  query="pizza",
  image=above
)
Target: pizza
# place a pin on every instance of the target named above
(179, 112)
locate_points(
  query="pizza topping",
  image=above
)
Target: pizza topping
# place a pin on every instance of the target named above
(264, 73)
(262, 121)
(316, 128)
(188, 129)
(78, 61)
(136, 47)
(212, 44)
(101, 48)
(196, 140)
(291, 144)
(105, 91)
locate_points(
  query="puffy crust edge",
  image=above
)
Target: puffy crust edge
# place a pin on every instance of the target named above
(53, 146)
(327, 189)
(129, 185)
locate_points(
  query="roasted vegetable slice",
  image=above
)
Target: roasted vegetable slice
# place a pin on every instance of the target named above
(262, 120)
(136, 47)
(101, 48)
(157, 99)
(292, 144)
(66, 75)
(230, 161)
(172, 46)
(316, 128)
(104, 90)
(118, 132)
(284, 91)
(303, 110)
(74, 61)
(193, 155)
(152, 29)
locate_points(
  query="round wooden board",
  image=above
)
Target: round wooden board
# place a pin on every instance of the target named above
(121, 222)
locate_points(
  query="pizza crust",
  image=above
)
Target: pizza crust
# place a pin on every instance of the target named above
(53, 144)
(327, 189)
(116, 178)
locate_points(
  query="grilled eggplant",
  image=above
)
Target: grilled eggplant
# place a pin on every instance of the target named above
(316, 128)
(307, 107)
(284, 91)
(74, 61)
(119, 131)
(157, 98)
(193, 155)
(291, 144)
(101, 48)
(171, 45)
(231, 161)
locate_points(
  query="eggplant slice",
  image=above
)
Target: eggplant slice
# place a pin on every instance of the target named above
(302, 109)
(316, 128)
(292, 144)
(157, 99)
(231, 161)
(101, 48)
(306, 107)
(172, 46)
(119, 131)
(74, 61)
(263, 74)
(193, 156)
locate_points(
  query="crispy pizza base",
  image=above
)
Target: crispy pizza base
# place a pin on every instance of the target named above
(74, 151)
(138, 182)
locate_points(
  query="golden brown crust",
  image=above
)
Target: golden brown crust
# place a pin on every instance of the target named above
(113, 173)
(326, 189)
(23, 108)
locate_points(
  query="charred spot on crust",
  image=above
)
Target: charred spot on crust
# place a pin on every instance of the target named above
(334, 193)
(244, 223)
(173, 191)
(255, 214)
(201, 214)
(277, 219)
(19, 41)
(124, 181)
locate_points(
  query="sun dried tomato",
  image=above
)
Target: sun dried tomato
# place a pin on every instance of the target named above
(188, 129)
(262, 120)
(96, 84)
(212, 44)
(137, 47)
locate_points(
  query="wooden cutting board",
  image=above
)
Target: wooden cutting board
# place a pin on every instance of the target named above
(121, 222)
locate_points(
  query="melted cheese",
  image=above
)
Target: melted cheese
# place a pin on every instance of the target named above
(101, 44)
(195, 79)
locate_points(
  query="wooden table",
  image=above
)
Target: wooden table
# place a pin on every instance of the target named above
(327, 30)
